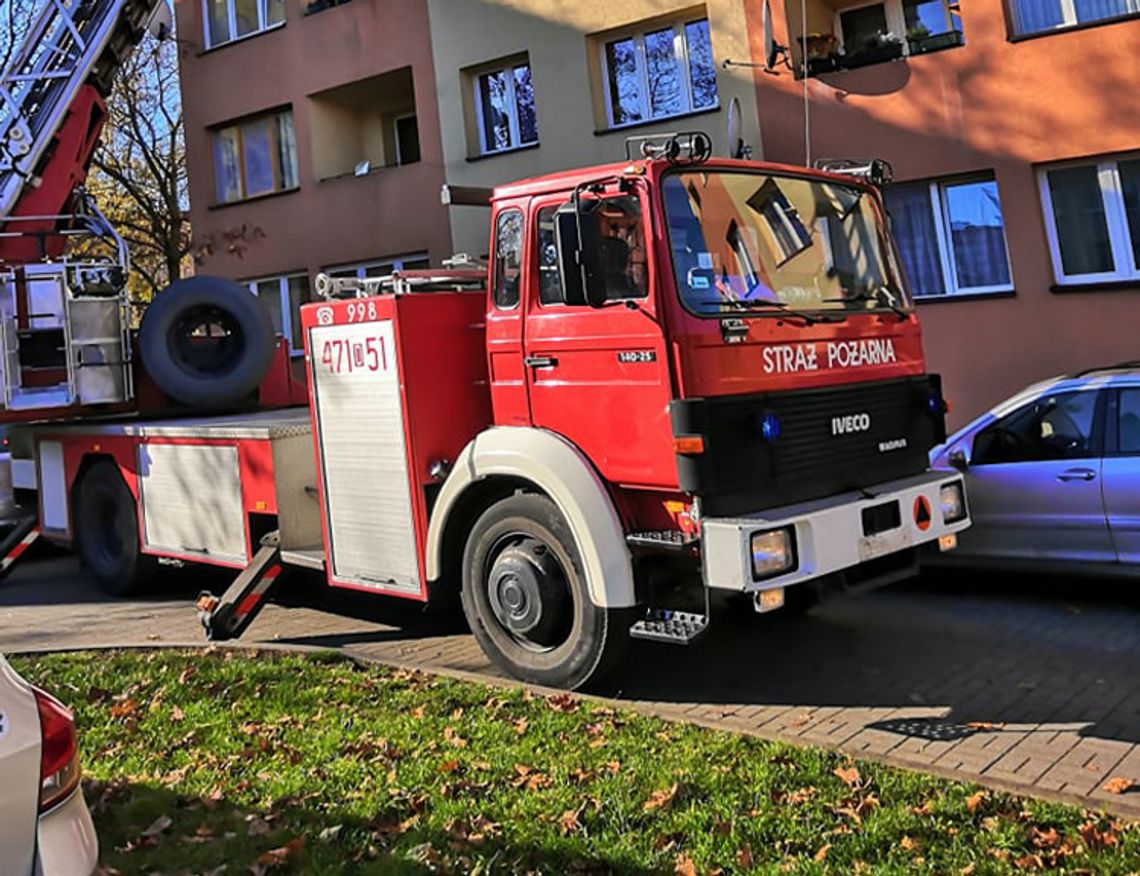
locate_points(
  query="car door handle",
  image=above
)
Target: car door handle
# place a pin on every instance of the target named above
(1077, 474)
(540, 361)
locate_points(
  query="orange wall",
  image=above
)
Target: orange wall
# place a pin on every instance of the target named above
(393, 211)
(990, 105)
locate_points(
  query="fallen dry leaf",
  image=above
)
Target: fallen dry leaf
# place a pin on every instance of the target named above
(974, 801)
(661, 799)
(454, 738)
(158, 826)
(849, 775)
(568, 822)
(744, 857)
(909, 844)
(563, 702)
(684, 866)
(1118, 785)
(1095, 838)
(1029, 862)
(984, 725)
(283, 855)
(822, 853)
(520, 726)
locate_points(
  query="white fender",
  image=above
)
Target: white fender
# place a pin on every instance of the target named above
(560, 470)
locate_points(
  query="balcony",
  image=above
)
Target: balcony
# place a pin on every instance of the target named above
(846, 35)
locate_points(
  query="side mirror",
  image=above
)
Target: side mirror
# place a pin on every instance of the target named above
(579, 255)
(957, 459)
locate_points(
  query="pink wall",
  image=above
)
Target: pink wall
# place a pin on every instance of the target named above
(390, 212)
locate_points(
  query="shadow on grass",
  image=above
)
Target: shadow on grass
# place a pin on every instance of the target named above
(143, 828)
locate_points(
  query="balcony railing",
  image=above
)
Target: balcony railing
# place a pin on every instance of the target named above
(824, 58)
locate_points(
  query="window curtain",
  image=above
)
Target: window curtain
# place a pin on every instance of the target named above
(912, 220)
(1095, 10)
(1082, 229)
(1031, 16)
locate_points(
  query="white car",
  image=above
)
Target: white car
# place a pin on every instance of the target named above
(45, 827)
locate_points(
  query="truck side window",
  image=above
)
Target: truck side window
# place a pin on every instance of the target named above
(549, 280)
(508, 258)
(623, 251)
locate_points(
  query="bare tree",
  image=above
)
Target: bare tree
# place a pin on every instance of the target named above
(15, 17)
(139, 173)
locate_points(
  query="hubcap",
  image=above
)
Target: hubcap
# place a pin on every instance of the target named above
(529, 595)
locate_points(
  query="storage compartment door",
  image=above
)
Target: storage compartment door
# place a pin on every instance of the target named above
(191, 502)
(363, 457)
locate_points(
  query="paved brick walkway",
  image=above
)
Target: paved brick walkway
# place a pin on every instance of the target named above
(1030, 686)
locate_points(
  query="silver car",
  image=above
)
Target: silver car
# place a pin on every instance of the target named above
(45, 828)
(1053, 476)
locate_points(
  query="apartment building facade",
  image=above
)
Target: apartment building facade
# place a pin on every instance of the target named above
(319, 136)
(1014, 132)
(313, 142)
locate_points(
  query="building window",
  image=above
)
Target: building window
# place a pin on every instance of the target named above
(504, 108)
(228, 20)
(283, 297)
(1041, 16)
(381, 267)
(871, 34)
(659, 73)
(1093, 220)
(951, 236)
(255, 157)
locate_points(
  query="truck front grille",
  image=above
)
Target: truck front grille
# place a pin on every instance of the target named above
(819, 442)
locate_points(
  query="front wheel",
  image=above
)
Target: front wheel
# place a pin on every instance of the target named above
(525, 597)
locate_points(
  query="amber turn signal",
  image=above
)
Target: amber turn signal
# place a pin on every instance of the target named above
(689, 445)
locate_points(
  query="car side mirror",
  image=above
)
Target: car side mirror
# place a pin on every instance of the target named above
(957, 459)
(579, 255)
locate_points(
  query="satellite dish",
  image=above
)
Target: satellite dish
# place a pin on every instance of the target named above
(772, 49)
(735, 142)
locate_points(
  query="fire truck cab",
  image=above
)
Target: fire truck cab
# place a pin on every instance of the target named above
(679, 375)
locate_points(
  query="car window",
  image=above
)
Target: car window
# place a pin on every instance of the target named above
(1053, 427)
(508, 257)
(1128, 422)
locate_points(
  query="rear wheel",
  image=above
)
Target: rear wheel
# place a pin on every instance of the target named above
(107, 531)
(526, 600)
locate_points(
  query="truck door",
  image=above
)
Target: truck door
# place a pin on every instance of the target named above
(600, 376)
(504, 318)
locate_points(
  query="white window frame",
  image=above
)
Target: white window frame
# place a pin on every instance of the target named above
(243, 188)
(231, 17)
(513, 116)
(360, 269)
(938, 203)
(287, 315)
(680, 52)
(1116, 219)
(896, 20)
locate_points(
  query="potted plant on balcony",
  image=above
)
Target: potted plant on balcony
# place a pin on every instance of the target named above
(821, 50)
(877, 49)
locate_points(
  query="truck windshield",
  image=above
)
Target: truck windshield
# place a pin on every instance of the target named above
(749, 243)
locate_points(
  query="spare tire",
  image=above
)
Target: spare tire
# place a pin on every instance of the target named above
(206, 341)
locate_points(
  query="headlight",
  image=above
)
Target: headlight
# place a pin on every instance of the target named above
(953, 502)
(773, 553)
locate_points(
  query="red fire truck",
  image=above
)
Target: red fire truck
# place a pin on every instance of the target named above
(679, 376)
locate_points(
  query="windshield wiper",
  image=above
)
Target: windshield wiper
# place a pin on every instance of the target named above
(879, 296)
(760, 306)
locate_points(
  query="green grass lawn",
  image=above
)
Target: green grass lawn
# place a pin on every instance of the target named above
(271, 763)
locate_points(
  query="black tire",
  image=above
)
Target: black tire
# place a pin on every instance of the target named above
(571, 642)
(206, 341)
(107, 530)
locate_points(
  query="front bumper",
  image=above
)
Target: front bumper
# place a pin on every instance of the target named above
(829, 533)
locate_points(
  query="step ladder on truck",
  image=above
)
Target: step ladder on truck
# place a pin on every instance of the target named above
(679, 376)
